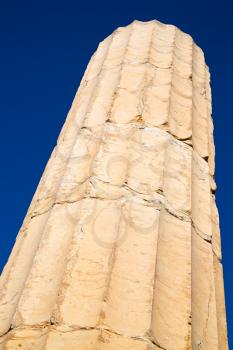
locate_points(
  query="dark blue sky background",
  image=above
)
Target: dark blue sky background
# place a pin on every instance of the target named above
(45, 47)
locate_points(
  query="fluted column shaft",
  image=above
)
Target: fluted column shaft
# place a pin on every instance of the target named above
(120, 248)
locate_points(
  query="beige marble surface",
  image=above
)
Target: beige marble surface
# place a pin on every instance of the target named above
(120, 248)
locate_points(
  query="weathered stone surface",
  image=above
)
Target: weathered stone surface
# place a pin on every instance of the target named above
(120, 248)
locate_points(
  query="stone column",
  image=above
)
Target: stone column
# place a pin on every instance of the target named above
(120, 248)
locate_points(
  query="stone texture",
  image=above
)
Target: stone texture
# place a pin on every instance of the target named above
(120, 248)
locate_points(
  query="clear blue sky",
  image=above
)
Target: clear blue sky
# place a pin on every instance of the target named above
(45, 47)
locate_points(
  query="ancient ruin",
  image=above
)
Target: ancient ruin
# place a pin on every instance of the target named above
(120, 248)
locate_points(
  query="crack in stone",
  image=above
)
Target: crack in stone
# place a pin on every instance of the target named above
(217, 257)
(201, 235)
